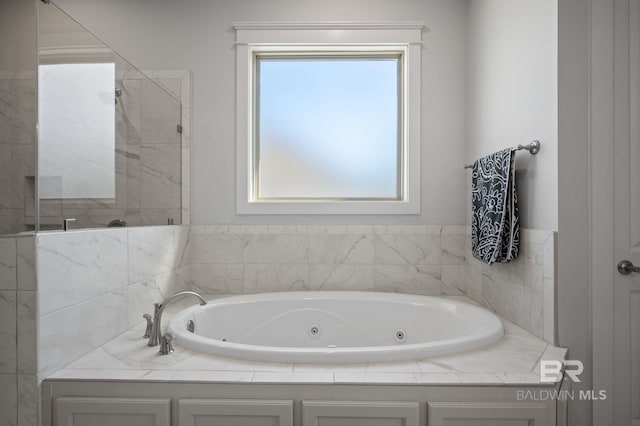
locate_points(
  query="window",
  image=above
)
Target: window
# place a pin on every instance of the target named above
(326, 125)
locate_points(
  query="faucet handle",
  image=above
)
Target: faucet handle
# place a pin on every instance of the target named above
(147, 331)
(166, 347)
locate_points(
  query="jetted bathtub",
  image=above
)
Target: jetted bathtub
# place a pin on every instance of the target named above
(334, 327)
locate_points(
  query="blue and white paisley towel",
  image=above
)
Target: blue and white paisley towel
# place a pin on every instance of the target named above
(495, 227)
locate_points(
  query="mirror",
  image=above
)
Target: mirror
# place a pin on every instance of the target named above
(109, 150)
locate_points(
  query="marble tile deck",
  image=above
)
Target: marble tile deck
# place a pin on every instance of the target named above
(513, 361)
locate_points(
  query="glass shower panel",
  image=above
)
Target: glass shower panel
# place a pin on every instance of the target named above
(77, 124)
(110, 141)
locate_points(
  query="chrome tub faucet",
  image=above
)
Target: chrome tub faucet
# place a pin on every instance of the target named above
(155, 334)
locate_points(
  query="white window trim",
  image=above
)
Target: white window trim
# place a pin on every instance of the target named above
(256, 37)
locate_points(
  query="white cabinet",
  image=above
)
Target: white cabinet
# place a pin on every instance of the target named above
(235, 412)
(248, 404)
(489, 414)
(359, 413)
(98, 411)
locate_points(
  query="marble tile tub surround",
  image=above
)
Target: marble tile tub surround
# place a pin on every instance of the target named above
(418, 259)
(106, 279)
(524, 290)
(513, 361)
(18, 355)
(95, 284)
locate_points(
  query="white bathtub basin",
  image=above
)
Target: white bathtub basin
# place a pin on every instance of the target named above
(334, 327)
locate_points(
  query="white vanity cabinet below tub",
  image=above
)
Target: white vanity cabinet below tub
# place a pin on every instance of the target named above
(107, 403)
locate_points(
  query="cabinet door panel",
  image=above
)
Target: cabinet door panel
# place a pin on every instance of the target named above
(96, 411)
(359, 413)
(489, 414)
(235, 412)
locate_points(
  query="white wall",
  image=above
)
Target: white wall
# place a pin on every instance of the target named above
(513, 96)
(197, 35)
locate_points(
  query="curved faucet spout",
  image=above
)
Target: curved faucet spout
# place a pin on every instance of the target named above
(156, 330)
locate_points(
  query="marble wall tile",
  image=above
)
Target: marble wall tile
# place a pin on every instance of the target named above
(26, 263)
(413, 279)
(17, 150)
(216, 278)
(8, 400)
(142, 295)
(20, 222)
(280, 229)
(128, 112)
(519, 290)
(6, 224)
(67, 334)
(263, 278)
(17, 111)
(181, 241)
(276, 248)
(160, 115)
(549, 311)
(152, 251)
(549, 258)
(473, 283)
(454, 279)
(454, 249)
(8, 318)
(28, 394)
(520, 304)
(215, 248)
(327, 229)
(5, 185)
(76, 266)
(341, 277)
(23, 166)
(128, 170)
(8, 259)
(403, 229)
(549, 289)
(526, 270)
(349, 248)
(407, 249)
(160, 176)
(27, 344)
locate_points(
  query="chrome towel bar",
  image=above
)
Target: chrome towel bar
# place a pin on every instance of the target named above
(533, 148)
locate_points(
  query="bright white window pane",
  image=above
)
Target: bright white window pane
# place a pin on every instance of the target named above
(327, 128)
(77, 130)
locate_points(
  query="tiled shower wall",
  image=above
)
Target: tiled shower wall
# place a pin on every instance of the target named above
(18, 310)
(17, 151)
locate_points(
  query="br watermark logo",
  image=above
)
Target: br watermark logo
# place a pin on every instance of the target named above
(552, 371)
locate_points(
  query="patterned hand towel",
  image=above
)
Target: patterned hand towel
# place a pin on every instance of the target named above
(495, 227)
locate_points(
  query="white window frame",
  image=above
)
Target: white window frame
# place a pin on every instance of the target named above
(404, 37)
